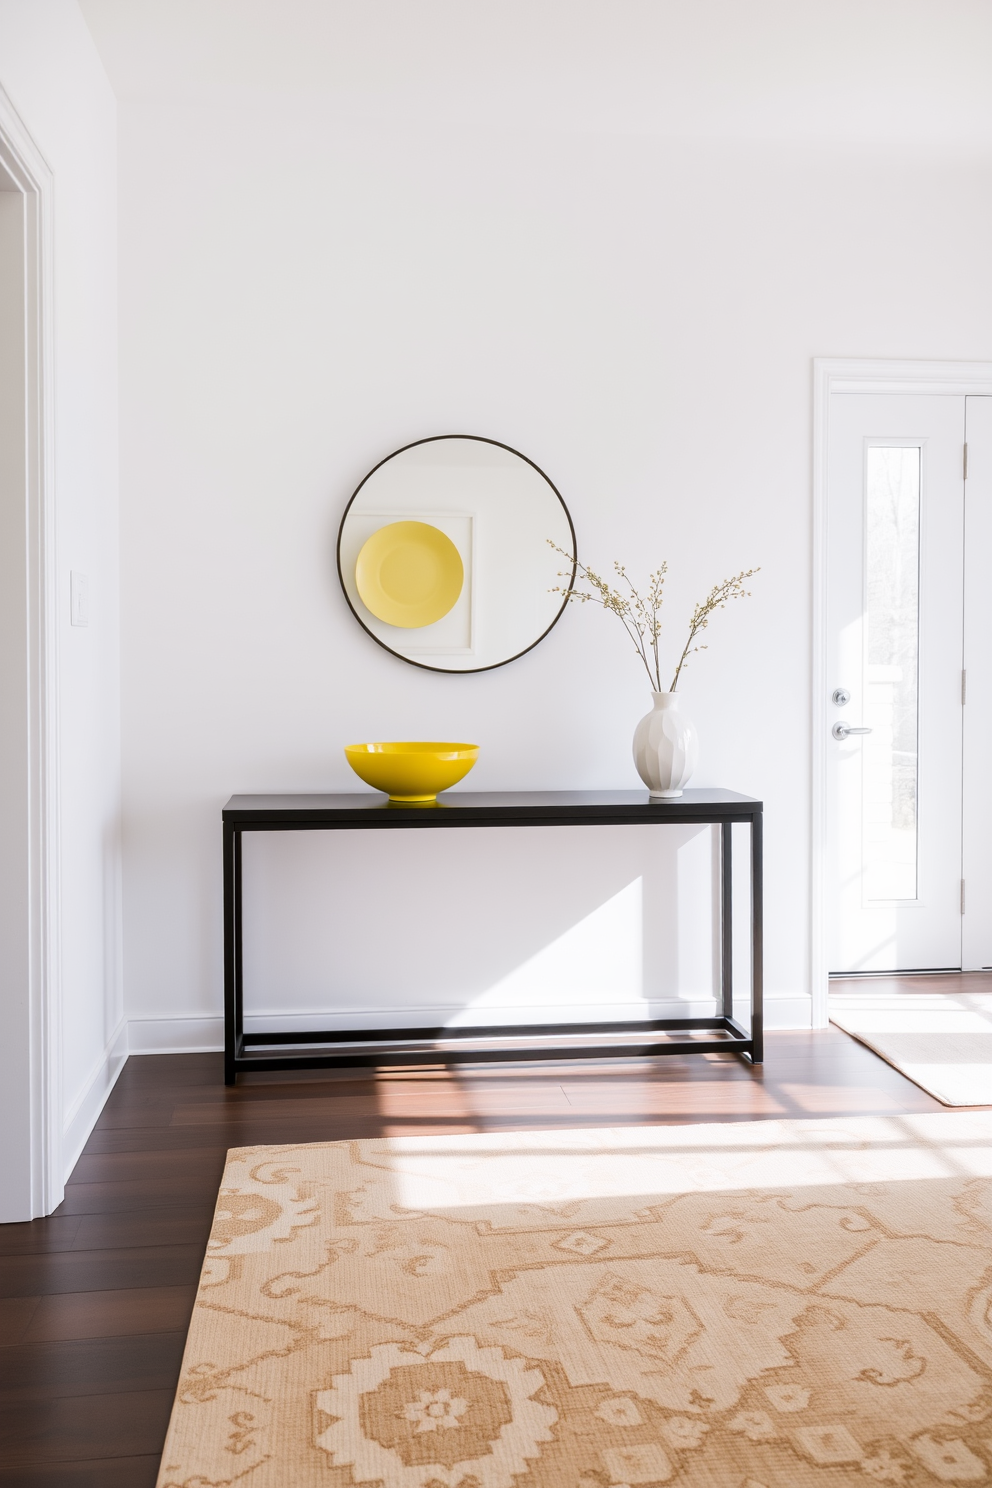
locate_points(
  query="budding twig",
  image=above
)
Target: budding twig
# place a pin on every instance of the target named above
(640, 615)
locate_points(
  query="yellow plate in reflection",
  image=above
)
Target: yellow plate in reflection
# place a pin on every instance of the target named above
(409, 574)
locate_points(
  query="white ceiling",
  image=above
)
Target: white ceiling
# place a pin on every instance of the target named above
(888, 71)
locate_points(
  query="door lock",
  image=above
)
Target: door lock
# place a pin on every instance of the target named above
(841, 697)
(841, 730)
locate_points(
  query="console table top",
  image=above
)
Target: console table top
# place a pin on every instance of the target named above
(464, 808)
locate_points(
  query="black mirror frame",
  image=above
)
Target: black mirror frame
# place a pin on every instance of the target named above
(456, 671)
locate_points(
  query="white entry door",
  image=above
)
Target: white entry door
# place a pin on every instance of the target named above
(895, 607)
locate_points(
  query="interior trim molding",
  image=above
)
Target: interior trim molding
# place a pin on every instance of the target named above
(32, 177)
(205, 1035)
(83, 1114)
(832, 375)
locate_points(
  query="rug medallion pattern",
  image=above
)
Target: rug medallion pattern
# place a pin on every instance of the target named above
(763, 1305)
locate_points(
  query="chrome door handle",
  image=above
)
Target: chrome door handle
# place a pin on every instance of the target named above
(841, 730)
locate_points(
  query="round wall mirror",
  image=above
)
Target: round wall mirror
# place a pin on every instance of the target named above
(444, 553)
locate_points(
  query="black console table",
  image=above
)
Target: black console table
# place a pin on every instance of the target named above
(361, 811)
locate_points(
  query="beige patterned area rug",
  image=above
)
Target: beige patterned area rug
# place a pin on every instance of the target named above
(755, 1305)
(942, 1042)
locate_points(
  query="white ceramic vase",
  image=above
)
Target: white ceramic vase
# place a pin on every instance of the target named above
(665, 747)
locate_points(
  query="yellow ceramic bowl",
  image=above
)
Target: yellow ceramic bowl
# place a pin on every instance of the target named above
(411, 771)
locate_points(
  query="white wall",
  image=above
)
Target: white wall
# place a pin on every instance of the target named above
(51, 71)
(611, 236)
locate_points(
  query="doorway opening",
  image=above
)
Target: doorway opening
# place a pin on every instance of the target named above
(902, 671)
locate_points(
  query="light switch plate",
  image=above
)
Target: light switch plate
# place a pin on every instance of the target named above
(79, 598)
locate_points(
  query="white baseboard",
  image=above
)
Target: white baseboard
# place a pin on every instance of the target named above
(185, 1035)
(82, 1115)
(788, 1012)
(175, 1035)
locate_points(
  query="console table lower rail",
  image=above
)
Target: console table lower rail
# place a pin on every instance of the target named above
(473, 1045)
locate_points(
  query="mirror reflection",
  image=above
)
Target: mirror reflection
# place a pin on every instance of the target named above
(444, 553)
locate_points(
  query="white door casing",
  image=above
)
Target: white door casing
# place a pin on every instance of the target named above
(976, 922)
(31, 1177)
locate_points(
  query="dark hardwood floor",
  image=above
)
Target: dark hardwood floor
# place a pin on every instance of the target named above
(95, 1300)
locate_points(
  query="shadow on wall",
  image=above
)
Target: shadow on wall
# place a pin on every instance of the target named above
(551, 924)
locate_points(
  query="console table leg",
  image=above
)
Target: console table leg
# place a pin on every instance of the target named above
(757, 946)
(727, 920)
(232, 948)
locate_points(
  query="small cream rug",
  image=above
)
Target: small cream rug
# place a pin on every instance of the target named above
(942, 1042)
(756, 1305)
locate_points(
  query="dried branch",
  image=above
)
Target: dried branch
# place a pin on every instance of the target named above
(719, 596)
(640, 615)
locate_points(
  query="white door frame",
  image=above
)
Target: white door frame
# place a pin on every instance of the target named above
(32, 667)
(834, 375)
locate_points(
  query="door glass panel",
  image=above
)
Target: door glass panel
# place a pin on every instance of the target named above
(892, 669)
